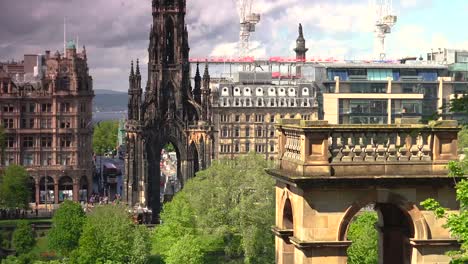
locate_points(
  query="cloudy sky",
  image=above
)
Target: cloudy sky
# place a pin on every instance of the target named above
(116, 31)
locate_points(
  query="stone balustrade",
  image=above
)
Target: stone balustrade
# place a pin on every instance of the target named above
(316, 148)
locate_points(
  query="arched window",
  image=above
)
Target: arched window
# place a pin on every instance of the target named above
(65, 189)
(170, 41)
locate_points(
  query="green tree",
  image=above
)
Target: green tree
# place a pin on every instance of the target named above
(364, 236)
(105, 137)
(463, 138)
(459, 104)
(228, 208)
(14, 191)
(67, 225)
(2, 144)
(23, 238)
(457, 223)
(109, 236)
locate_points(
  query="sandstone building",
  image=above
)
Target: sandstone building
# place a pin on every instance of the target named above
(46, 110)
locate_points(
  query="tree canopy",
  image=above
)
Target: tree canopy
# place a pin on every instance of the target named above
(105, 137)
(14, 188)
(224, 214)
(109, 236)
(457, 223)
(23, 238)
(67, 225)
(364, 236)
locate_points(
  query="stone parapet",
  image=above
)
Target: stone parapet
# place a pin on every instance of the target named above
(317, 149)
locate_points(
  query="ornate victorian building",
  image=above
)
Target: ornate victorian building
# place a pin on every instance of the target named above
(170, 111)
(46, 110)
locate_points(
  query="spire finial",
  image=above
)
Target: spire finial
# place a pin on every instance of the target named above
(131, 70)
(138, 67)
(300, 30)
(206, 69)
(198, 69)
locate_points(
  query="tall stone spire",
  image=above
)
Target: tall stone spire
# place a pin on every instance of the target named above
(300, 46)
(132, 73)
(197, 89)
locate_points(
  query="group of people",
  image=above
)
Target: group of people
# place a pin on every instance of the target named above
(103, 199)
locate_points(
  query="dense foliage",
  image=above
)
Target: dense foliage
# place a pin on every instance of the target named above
(459, 104)
(457, 223)
(223, 215)
(67, 225)
(14, 190)
(364, 236)
(463, 138)
(23, 238)
(105, 137)
(109, 236)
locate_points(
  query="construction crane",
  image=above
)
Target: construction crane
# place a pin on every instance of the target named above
(248, 20)
(385, 20)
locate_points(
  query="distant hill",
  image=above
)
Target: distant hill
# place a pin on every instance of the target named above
(110, 101)
(106, 91)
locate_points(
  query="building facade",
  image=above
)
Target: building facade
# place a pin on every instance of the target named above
(379, 93)
(46, 110)
(245, 114)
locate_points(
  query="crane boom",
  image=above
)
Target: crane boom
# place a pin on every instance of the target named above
(248, 20)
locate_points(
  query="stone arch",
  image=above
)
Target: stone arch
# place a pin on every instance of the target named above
(399, 221)
(83, 191)
(420, 226)
(65, 187)
(46, 190)
(286, 226)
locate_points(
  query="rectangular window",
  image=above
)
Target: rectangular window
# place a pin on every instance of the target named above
(83, 107)
(272, 118)
(28, 142)
(65, 141)
(9, 159)
(305, 117)
(31, 123)
(247, 131)
(259, 118)
(46, 141)
(32, 108)
(237, 118)
(65, 123)
(46, 159)
(65, 107)
(259, 148)
(46, 108)
(247, 147)
(236, 132)
(224, 118)
(8, 108)
(28, 159)
(46, 123)
(64, 159)
(272, 147)
(8, 123)
(236, 148)
(259, 132)
(247, 118)
(10, 141)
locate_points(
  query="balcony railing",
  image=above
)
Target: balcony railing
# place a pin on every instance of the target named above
(316, 148)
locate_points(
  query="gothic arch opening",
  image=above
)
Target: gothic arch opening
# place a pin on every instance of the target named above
(287, 248)
(170, 41)
(194, 160)
(395, 227)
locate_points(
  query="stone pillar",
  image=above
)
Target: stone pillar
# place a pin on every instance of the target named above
(76, 190)
(56, 192)
(38, 192)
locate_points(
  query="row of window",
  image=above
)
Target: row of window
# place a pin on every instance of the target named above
(236, 132)
(46, 159)
(235, 148)
(45, 123)
(65, 141)
(270, 102)
(44, 108)
(259, 91)
(259, 118)
(382, 74)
